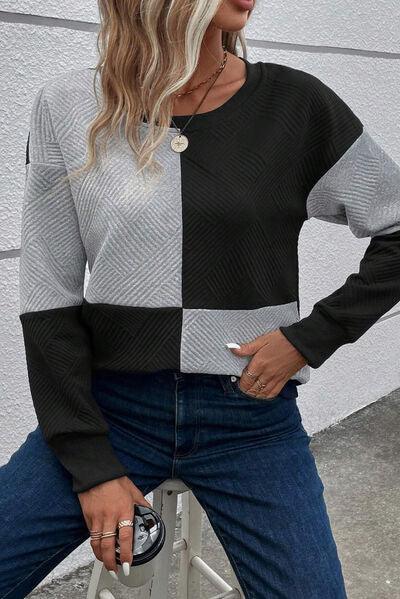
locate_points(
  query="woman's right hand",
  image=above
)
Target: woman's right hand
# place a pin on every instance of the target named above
(103, 506)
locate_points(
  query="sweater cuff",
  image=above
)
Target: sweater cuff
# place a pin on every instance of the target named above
(90, 459)
(316, 337)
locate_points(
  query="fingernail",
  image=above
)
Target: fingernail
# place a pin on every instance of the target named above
(113, 574)
(232, 345)
(125, 567)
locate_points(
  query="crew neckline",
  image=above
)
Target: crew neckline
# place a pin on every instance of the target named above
(211, 117)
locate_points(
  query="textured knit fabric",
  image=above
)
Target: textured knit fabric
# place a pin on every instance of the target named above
(205, 256)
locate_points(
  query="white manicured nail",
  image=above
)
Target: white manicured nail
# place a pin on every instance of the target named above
(125, 567)
(233, 345)
(113, 574)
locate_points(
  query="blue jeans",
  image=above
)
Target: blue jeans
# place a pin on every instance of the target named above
(247, 461)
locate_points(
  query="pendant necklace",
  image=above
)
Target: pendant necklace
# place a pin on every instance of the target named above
(180, 142)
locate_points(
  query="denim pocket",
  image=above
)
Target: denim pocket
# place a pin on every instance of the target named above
(230, 384)
(268, 400)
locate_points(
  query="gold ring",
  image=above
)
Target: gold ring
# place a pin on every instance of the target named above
(122, 523)
(250, 374)
(107, 534)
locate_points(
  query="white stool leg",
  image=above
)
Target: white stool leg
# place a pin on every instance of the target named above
(165, 503)
(192, 566)
(99, 581)
(189, 577)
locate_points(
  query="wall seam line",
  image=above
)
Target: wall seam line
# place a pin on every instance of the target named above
(47, 21)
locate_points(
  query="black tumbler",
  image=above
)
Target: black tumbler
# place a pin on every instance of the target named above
(148, 536)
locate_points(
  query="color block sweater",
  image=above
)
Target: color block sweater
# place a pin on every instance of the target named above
(206, 256)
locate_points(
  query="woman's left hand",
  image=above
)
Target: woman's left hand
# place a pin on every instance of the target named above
(274, 361)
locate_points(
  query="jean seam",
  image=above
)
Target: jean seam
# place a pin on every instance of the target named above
(193, 448)
(175, 428)
(42, 563)
(197, 436)
(195, 443)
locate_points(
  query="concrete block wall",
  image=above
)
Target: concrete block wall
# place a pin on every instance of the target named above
(353, 47)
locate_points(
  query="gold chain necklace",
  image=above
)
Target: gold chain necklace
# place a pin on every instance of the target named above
(180, 142)
(208, 78)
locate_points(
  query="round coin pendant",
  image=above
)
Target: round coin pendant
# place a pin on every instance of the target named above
(179, 143)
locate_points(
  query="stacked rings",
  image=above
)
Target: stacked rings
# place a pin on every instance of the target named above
(250, 374)
(97, 534)
(260, 384)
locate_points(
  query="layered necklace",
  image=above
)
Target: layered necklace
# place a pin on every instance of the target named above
(180, 142)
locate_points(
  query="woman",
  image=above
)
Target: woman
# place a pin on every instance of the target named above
(189, 226)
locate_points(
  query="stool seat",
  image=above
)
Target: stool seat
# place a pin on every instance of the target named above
(191, 566)
(174, 484)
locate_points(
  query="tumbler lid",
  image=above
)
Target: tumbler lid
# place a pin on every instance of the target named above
(148, 535)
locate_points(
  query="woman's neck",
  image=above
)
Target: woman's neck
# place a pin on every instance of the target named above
(229, 81)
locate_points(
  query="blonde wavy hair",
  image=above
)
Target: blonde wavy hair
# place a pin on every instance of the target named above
(147, 50)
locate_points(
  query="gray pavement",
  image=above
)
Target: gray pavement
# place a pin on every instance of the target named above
(359, 463)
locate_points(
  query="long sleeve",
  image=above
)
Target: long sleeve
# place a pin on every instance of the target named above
(57, 345)
(351, 180)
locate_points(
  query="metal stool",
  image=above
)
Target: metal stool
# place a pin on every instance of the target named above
(165, 498)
